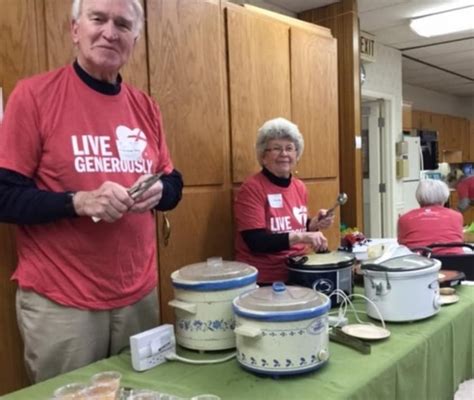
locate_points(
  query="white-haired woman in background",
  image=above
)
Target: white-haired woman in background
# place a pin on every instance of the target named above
(432, 222)
(271, 206)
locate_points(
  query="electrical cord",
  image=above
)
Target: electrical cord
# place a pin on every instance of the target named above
(346, 300)
(175, 357)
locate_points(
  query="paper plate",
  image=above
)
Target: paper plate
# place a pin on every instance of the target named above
(366, 332)
(449, 299)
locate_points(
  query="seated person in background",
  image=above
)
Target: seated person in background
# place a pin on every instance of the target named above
(465, 189)
(432, 222)
(271, 206)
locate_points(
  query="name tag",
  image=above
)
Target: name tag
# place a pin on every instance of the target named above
(275, 200)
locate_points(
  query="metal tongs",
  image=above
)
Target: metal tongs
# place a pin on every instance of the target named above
(337, 335)
(136, 191)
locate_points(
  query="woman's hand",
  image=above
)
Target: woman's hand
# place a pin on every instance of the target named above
(316, 240)
(322, 221)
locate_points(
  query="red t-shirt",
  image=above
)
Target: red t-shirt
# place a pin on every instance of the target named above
(260, 204)
(465, 188)
(66, 136)
(434, 224)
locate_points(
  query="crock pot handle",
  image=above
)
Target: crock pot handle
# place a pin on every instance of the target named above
(182, 305)
(248, 331)
(300, 260)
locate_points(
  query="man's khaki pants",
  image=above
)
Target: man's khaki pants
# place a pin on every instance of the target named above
(59, 339)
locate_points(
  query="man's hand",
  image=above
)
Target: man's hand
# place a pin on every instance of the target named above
(109, 202)
(148, 199)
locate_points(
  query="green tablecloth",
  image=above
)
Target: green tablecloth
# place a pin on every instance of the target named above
(421, 360)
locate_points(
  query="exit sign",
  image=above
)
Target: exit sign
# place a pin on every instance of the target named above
(367, 47)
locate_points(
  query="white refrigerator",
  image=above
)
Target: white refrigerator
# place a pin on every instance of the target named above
(415, 166)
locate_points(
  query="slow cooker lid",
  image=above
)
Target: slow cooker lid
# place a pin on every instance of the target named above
(280, 297)
(409, 262)
(214, 269)
(333, 259)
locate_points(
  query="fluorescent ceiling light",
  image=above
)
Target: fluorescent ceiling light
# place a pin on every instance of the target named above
(458, 20)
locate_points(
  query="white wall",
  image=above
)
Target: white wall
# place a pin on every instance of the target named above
(384, 80)
(429, 100)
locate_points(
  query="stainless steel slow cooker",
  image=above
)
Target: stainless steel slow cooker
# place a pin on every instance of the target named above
(403, 288)
(281, 330)
(323, 272)
(203, 294)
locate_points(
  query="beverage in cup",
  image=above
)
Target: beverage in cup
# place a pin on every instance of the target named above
(71, 391)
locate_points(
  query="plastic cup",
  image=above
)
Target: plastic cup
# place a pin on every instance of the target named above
(98, 391)
(143, 395)
(107, 378)
(71, 391)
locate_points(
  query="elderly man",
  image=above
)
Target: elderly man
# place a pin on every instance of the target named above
(72, 142)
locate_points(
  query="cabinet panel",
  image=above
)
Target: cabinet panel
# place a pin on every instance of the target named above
(201, 227)
(407, 120)
(416, 119)
(259, 74)
(471, 140)
(187, 77)
(314, 95)
(21, 55)
(13, 374)
(426, 121)
(60, 49)
(323, 194)
(22, 42)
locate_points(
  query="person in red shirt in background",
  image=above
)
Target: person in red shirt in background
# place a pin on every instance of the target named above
(465, 189)
(271, 206)
(432, 222)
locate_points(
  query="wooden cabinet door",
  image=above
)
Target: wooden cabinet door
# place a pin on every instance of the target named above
(201, 227)
(426, 122)
(407, 117)
(471, 140)
(416, 119)
(60, 49)
(259, 75)
(465, 140)
(21, 55)
(315, 102)
(187, 78)
(22, 41)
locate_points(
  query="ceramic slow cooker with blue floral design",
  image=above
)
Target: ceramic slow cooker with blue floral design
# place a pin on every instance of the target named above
(203, 294)
(282, 330)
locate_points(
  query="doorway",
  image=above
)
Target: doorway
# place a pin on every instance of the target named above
(374, 162)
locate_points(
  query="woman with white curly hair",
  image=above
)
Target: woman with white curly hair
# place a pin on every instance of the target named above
(271, 206)
(432, 222)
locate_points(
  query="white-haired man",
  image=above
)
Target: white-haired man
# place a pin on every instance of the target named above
(72, 142)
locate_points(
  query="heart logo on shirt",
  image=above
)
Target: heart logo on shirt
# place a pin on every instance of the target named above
(130, 143)
(301, 214)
